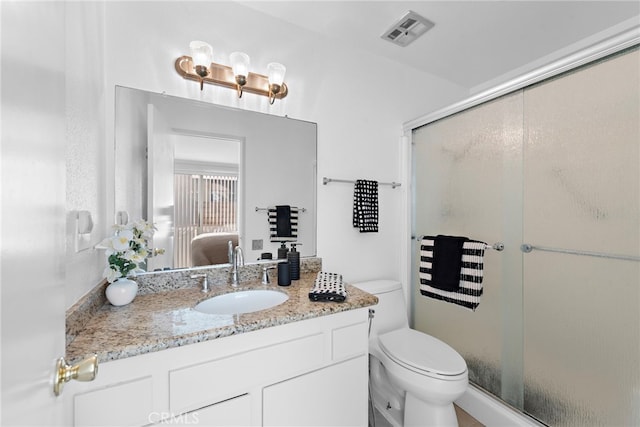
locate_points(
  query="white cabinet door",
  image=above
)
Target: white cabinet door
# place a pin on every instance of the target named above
(127, 404)
(333, 396)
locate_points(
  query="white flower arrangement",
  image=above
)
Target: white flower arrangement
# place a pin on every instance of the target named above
(127, 249)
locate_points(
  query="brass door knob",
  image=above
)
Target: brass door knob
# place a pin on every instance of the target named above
(85, 370)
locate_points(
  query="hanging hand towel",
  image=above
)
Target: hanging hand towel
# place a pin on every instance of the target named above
(447, 262)
(365, 205)
(283, 223)
(328, 287)
(469, 288)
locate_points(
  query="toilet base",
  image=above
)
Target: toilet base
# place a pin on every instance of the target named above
(418, 413)
(392, 416)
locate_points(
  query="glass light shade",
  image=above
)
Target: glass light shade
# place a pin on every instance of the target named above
(201, 53)
(276, 72)
(240, 63)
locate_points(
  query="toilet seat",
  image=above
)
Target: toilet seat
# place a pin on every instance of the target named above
(423, 354)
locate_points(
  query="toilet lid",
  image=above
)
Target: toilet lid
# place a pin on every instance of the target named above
(422, 352)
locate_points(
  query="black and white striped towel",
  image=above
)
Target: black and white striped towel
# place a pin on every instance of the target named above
(470, 290)
(365, 205)
(276, 216)
(328, 287)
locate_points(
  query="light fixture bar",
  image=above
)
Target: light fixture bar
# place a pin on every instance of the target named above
(222, 75)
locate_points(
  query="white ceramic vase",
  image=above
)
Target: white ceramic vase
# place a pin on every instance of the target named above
(122, 291)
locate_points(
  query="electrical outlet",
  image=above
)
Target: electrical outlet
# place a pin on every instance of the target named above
(83, 229)
(256, 245)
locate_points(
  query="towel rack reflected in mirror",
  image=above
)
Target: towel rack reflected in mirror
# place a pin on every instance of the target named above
(266, 209)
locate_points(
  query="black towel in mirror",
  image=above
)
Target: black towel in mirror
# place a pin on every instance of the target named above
(283, 221)
(447, 262)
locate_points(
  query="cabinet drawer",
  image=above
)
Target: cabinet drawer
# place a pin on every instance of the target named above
(205, 383)
(349, 341)
(125, 404)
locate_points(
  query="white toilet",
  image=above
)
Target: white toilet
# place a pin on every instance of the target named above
(414, 377)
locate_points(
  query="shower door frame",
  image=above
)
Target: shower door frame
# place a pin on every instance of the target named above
(610, 44)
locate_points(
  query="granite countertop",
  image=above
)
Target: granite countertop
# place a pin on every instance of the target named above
(166, 319)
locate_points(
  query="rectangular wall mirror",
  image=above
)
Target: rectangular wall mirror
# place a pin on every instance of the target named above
(206, 174)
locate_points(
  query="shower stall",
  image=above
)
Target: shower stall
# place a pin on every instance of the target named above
(552, 171)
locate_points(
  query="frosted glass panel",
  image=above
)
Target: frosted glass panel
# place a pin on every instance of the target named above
(582, 340)
(582, 191)
(468, 183)
(582, 179)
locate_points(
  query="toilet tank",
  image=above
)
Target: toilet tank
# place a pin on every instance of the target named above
(391, 311)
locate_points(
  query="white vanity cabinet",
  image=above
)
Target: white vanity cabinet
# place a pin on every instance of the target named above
(310, 372)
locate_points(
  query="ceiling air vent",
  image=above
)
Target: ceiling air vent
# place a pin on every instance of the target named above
(407, 29)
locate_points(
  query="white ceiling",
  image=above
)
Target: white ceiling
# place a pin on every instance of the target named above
(472, 43)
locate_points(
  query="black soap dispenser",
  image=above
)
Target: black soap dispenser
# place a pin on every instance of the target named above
(282, 251)
(293, 257)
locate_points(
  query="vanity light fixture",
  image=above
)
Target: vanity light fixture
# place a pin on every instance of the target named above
(240, 66)
(199, 67)
(276, 73)
(202, 55)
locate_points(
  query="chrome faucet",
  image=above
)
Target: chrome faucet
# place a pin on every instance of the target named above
(237, 260)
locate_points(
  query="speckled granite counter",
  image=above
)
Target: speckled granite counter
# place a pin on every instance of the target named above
(165, 319)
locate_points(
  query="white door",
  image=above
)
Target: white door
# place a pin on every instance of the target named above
(32, 241)
(160, 160)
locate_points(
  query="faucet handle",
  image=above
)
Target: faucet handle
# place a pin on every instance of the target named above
(230, 252)
(265, 275)
(239, 256)
(205, 281)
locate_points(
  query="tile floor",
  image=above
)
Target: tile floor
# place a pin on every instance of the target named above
(464, 420)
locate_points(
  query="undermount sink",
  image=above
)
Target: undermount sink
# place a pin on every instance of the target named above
(242, 302)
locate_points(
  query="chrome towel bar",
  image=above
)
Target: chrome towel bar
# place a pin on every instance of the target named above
(498, 246)
(266, 209)
(326, 180)
(526, 248)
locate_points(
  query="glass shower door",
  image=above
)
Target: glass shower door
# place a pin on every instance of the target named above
(582, 194)
(555, 166)
(468, 182)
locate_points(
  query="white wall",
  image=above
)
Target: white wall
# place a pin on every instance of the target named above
(85, 151)
(359, 124)
(359, 121)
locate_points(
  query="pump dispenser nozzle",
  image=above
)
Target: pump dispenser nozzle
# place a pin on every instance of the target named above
(282, 251)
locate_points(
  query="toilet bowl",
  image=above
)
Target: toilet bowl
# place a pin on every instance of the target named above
(414, 377)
